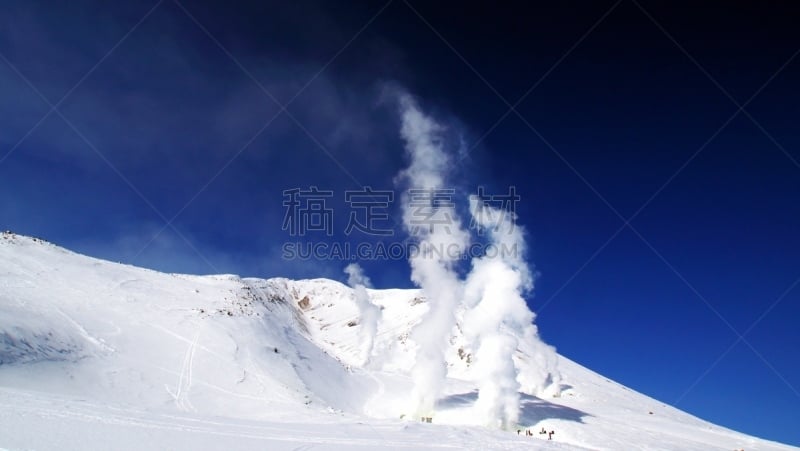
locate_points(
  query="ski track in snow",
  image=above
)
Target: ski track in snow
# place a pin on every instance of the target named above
(181, 394)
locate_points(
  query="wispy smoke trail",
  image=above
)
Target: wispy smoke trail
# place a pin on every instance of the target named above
(498, 315)
(369, 312)
(440, 247)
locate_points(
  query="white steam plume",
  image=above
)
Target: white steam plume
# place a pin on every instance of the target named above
(497, 321)
(440, 247)
(369, 312)
(498, 314)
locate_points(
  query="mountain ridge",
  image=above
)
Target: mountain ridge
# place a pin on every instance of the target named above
(271, 351)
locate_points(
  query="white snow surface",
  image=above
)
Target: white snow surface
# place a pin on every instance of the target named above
(100, 355)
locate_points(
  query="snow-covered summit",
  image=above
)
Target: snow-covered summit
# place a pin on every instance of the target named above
(95, 354)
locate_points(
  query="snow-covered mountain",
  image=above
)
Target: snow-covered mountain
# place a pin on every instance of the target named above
(99, 355)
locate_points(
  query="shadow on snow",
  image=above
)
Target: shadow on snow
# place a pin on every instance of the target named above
(532, 409)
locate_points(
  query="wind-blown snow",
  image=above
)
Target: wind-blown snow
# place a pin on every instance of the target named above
(98, 355)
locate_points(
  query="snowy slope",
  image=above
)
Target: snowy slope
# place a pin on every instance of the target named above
(98, 355)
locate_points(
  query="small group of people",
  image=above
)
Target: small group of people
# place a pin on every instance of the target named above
(528, 433)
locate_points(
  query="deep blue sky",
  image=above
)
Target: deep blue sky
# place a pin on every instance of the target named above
(646, 100)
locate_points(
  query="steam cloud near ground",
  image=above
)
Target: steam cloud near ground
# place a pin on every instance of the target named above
(432, 271)
(369, 313)
(497, 314)
(491, 295)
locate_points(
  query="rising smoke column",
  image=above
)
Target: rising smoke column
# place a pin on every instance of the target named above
(369, 313)
(432, 268)
(498, 314)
